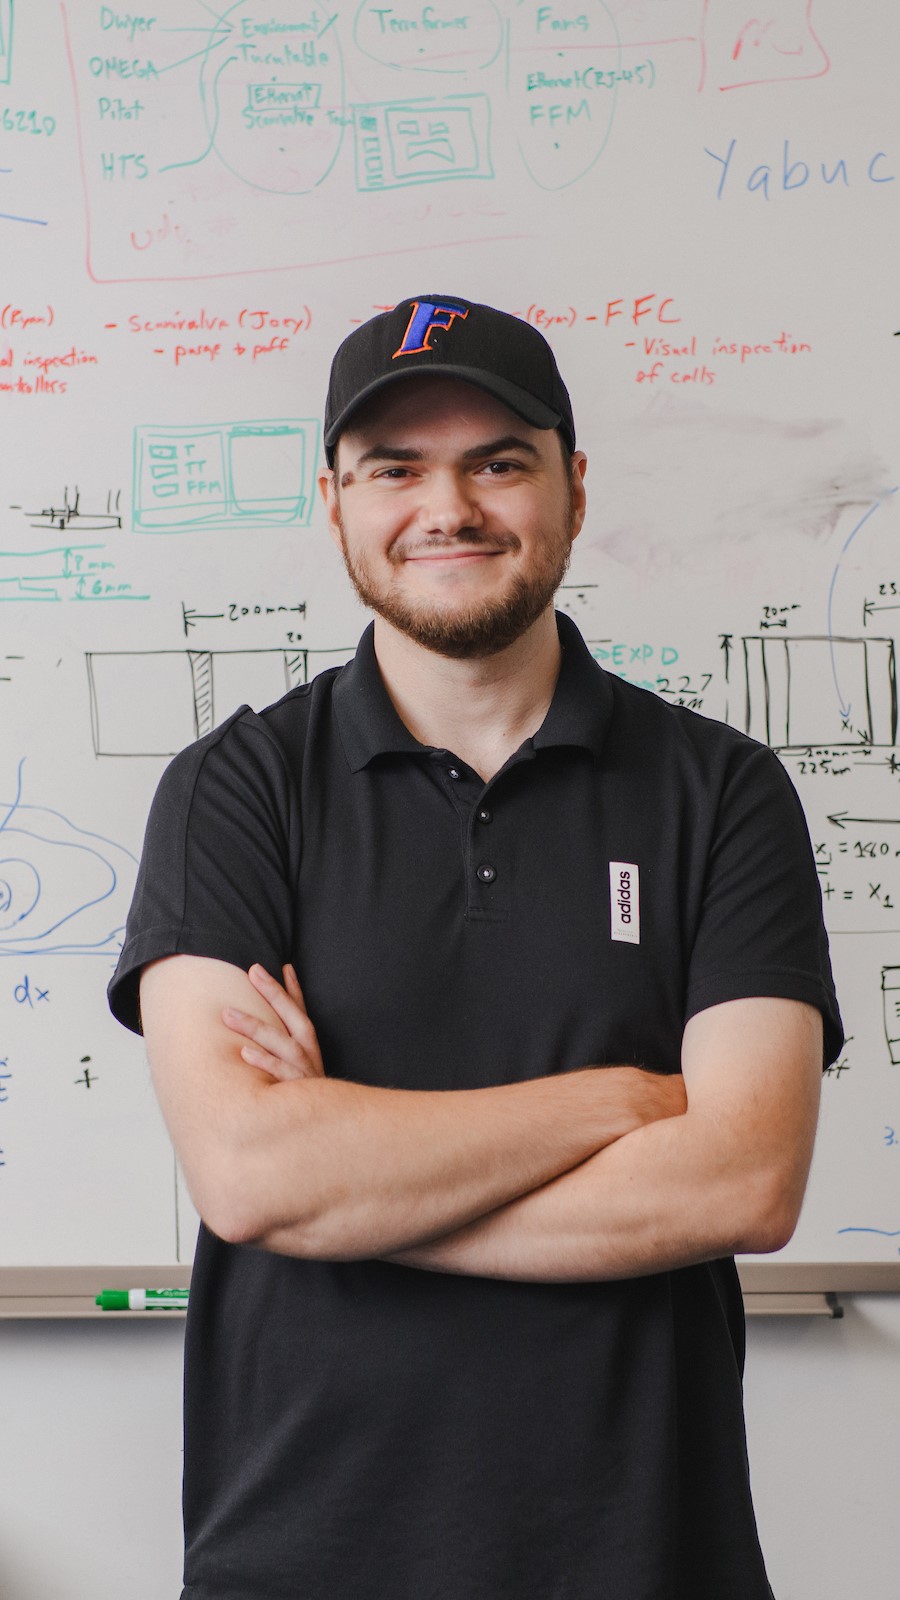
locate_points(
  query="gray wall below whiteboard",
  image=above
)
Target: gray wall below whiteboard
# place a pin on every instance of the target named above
(91, 1466)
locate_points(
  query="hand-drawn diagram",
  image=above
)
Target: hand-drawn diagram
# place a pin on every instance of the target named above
(20, 120)
(224, 475)
(266, 102)
(890, 991)
(154, 702)
(72, 513)
(63, 889)
(6, 40)
(422, 141)
(784, 703)
(429, 38)
(75, 571)
(37, 222)
(275, 117)
(79, 572)
(239, 611)
(772, 44)
(562, 105)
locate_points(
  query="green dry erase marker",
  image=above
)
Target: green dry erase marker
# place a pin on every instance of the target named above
(142, 1299)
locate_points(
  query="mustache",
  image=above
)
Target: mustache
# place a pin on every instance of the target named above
(467, 538)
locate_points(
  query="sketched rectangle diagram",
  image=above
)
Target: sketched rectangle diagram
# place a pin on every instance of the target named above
(404, 142)
(223, 474)
(281, 100)
(6, 38)
(142, 702)
(819, 690)
(154, 702)
(890, 993)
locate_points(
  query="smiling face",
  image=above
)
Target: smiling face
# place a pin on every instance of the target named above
(455, 517)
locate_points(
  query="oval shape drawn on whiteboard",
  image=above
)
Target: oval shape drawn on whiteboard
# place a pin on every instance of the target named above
(447, 36)
(20, 891)
(562, 94)
(273, 95)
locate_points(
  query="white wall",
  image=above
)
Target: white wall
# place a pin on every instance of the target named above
(90, 1456)
(823, 1419)
(90, 1461)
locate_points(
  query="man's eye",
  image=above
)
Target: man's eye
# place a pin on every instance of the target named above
(499, 469)
(394, 473)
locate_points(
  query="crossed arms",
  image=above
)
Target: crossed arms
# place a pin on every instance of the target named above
(592, 1174)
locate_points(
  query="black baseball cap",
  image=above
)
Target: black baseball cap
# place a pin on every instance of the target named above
(452, 338)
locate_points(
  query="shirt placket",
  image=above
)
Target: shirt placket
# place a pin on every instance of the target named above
(485, 863)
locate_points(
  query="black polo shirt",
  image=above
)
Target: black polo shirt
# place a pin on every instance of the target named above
(367, 1431)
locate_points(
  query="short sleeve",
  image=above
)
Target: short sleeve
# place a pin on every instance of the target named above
(761, 930)
(218, 863)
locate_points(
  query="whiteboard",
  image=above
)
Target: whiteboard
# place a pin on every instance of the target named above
(696, 201)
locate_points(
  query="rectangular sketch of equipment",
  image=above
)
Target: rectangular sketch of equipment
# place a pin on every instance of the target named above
(154, 702)
(405, 142)
(820, 690)
(6, 38)
(224, 474)
(890, 994)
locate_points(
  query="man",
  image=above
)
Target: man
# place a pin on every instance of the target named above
(463, 1321)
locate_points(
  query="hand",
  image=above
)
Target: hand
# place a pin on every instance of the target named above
(294, 1054)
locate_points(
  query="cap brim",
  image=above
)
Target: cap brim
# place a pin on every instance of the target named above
(518, 400)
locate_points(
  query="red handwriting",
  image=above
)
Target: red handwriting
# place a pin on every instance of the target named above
(664, 358)
(634, 309)
(275, 332)
(13, 316)
(30, 372)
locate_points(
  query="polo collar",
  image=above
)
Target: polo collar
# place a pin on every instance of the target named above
(582, 704)
(369, 726)
(367, 722)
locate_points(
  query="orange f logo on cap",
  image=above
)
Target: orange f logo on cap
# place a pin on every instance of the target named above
(425, 316)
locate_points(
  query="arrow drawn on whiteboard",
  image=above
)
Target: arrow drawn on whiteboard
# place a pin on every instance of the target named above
(845, 709)
(869, 608)
(839, 818)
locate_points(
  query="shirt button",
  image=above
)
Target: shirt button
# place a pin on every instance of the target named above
(486, 873)
(453, 772)
(485, 815)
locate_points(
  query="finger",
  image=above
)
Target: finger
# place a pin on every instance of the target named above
(261, 1058)
(283, 1071)
(292, 984)
(269, 1037)
(265, 984)
(292, 1012)
(239, 1021)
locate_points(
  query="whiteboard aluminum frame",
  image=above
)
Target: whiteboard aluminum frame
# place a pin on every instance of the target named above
(769, 1288)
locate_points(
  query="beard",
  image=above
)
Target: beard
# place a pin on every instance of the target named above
(483, 628)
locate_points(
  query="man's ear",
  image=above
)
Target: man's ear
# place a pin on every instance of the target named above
(328, 489)
(579, 496)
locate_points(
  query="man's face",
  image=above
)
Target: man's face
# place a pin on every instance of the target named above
(455, 517)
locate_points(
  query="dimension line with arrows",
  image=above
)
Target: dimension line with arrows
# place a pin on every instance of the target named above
(840, 819)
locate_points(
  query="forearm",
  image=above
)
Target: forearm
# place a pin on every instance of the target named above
(332, 1169)
(667, 1195)
(345, 1171)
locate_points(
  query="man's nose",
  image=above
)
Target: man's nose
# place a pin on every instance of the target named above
(449, 504)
